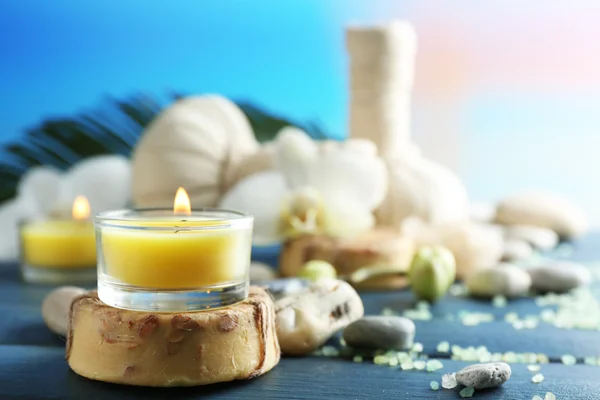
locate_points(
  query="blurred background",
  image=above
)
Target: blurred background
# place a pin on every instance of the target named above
(507, 92)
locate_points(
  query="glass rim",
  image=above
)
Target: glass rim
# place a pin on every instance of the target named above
(122, 218)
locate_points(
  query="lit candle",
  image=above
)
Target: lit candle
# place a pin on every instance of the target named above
(60, 250)
(170, 260)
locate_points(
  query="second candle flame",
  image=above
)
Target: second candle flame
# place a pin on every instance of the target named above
(182, 203)
(81, 208)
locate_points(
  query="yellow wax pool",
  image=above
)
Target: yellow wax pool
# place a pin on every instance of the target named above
(59, 244)
(175, 259)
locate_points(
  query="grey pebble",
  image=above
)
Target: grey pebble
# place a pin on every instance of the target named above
(482, 376)
(381, 332)
(559, 277)
(260, 272)
(516, 249)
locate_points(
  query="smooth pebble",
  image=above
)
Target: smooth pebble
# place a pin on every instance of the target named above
(504, 279)
(260, 272)
(540, 238)
(482, 376)
(56, 307)
(559, 277)
(545, 210)
(516, 249)
(381, 332)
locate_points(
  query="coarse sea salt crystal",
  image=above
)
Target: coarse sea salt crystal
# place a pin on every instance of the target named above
(549, 396)
(499, 301)
(511, 317)
(537, 378)
(422, 305)
(418, 315)
(449, 381)
(419, 365)
(590, 360)
(387, 312)
(542, 358)
(417, 347)
(380, 360)
(443, 347)
(510, 357)
(330, 351)
(434, 365)
(458, 289)
(407, 365)
(536, 397)
(533, 368)
(568, 359)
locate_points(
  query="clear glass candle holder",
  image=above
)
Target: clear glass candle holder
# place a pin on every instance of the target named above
(155, 260)
(57, 251)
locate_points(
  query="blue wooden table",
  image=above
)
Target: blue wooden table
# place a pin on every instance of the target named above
(32, 363)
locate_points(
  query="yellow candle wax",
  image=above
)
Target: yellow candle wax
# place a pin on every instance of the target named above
(59, 244)
(175, 258)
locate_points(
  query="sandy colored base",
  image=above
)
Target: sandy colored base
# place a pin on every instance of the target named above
(377, 247)
(168, 349)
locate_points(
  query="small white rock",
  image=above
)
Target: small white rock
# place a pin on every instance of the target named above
(482, 376)
(56, 307)
(260, 272)
(540, 238)
(545, 210)
(558, 277)
(516, 249)
(504, 279)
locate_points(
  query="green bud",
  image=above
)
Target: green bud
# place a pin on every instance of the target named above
(432, 272)
(317, 269)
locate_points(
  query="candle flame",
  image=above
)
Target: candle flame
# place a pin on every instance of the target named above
(182, 202)
(81, 208)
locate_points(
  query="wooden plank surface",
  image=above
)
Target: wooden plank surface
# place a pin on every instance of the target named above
(32, 364)
(30, 372)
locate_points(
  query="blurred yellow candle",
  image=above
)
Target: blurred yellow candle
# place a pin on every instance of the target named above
(176, 258)
(61, 243)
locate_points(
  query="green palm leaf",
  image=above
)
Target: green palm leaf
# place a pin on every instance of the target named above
(266, 125)
(113, 128)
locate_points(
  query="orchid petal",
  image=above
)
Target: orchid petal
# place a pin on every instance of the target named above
(41, 186)
(262, 196)
(295, 150)
(11, 212)
(347, 218)
(350, 175)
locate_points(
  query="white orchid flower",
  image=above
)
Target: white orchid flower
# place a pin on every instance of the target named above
(43, 191)
(331, 187)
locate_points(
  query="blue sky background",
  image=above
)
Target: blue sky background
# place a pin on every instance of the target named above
(59, 56)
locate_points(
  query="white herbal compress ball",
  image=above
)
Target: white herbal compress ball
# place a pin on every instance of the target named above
(423, 188)
(195, 143)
